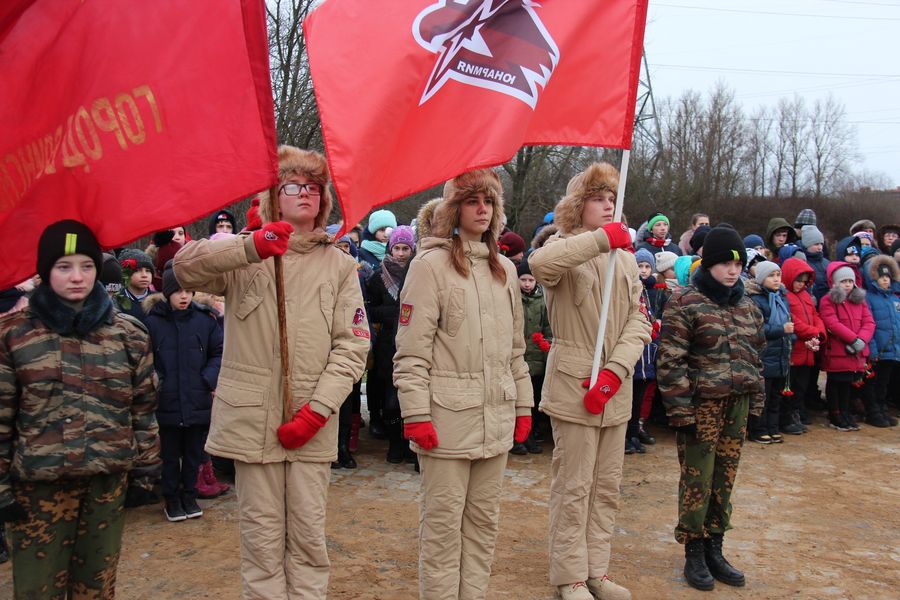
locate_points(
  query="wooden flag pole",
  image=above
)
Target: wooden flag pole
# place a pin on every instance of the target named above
(610, 271)
(287, 412)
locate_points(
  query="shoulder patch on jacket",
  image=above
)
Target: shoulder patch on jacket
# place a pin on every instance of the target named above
(405, 313)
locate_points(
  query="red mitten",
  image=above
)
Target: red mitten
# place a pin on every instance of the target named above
(422, 434)
(272, 239)
(618, 235)
(607, 385)
(523, 428)
(305, 424)
(254, 221)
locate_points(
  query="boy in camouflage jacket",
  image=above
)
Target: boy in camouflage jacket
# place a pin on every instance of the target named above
(77, 396)
(709, 374)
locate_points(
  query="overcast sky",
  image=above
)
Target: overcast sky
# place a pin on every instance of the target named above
(768, 49)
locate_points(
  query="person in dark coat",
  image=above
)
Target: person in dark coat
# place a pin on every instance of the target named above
(882, 277)
(813, 243)
(655, 237)
(222, 221)
(187, 350)
(383, 297)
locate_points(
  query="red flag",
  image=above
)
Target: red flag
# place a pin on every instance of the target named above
(413, 93)
(128, 116)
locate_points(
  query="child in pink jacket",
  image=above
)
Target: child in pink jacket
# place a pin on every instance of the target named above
(850, 327)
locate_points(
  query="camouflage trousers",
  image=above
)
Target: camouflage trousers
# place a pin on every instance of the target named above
(69, 545)
(709, 463)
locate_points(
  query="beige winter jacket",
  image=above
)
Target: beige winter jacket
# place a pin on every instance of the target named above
(328, 338)
(460, 352)
(572, 267)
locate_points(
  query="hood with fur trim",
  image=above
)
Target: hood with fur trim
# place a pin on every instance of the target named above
(424, 218)
(306, 163)
(445, 214)
(876, 261)
(543, 235)
(597, 177)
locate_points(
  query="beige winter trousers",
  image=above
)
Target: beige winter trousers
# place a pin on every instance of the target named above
(459, 516)
(584, 498)
(282, 522)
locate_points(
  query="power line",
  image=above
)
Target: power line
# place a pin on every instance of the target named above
(780, 14)
(775, 72)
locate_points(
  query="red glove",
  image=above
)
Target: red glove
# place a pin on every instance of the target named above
(254, 222)
(607, 385)
(305, 424)
(272, 239)
(523, 428)
(618, 235)
(422, 434)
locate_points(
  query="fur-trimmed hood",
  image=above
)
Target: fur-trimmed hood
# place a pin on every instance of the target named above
(543, 235)
(306, 163)
(445, 214)
(597, 177)
(424, 218)
(876, 261)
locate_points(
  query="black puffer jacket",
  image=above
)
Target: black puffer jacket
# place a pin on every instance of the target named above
(187, 352)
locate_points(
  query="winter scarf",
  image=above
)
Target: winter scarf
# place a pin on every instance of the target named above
(715, 291)
(378, 249)
(63, 319)
(392, 275)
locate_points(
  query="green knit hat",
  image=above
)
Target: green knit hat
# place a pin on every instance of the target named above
(656, 219)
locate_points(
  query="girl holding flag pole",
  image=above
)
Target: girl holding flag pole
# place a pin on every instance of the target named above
(582, 282)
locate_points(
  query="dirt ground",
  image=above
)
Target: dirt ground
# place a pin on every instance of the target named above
(815, 517)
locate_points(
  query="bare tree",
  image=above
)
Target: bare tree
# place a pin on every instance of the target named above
(831, 145)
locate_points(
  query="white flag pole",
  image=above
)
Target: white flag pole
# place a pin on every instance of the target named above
(608, 281)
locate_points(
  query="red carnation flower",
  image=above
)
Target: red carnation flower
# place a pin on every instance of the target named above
(129, 263)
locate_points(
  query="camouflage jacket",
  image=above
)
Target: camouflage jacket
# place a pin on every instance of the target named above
(709, 348)
(77, 393)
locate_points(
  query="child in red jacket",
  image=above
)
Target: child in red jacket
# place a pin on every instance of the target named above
(850, 327)
(798, 278)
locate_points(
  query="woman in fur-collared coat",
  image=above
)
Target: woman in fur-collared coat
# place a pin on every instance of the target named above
(463, 383)
(588, 428)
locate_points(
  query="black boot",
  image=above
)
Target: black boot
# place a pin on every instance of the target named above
(695, 570)
(345, 459)
(720, 568)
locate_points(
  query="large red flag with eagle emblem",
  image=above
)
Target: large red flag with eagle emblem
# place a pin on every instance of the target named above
(413, 93)
(129, 116)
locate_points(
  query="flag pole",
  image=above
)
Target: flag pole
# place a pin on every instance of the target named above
(286, 413)
(610, 271)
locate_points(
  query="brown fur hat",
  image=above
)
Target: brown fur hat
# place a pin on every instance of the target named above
(424, 218)
(446, 213)
(600, 176)
(294, 161)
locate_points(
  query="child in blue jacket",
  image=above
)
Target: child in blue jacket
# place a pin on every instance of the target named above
(883, 298)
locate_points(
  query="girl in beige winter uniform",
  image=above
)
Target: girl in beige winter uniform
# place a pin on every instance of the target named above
(282, 491)
(462, 378)
(588, 452)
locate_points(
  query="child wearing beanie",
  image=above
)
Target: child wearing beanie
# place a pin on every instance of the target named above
(137, 275)
(710, 380)
(771, 299)
(375, 237)
(644, 380)
(813, 246)
(850, 328)
(656, 236)
(187, 353)
(72, 488)
(538, 337)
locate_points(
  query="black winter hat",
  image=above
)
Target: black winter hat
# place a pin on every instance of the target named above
(523, 268)
(111, 273)
(697, 238)
(723, 244)
(65, 238)
(222, 215)
(170, 284)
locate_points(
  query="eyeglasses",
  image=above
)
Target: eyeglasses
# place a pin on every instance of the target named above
(294, 189)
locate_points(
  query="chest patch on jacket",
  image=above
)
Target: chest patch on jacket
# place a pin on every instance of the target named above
(405, 313)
